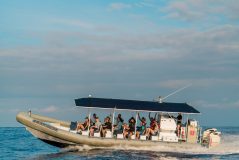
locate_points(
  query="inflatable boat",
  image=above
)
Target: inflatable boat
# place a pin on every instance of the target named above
(64, 133)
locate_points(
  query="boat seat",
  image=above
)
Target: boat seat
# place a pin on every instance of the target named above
(85, 133)
(133, 136)
(120, 136)
(142, 137)
(154, 138)
(108, 134)
(96, 134)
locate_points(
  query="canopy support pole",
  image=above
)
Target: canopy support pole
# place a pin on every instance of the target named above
(89, 120)
(113, 121)
(187, 129)
(136, 119)
(199, 130)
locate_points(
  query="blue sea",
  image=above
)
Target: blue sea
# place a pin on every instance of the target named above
(17, 143)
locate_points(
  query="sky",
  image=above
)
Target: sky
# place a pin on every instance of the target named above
(52, 52)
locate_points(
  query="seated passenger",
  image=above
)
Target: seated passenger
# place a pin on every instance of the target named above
(118, 128)
(131, 129)
(96, 127)
(125, 128)
(152, 118)
(119, 120)
(153, 129)
(93, 120)
(106, 126)
(141, 129)
(83, 126)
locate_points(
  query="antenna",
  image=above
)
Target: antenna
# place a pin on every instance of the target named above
(178, 90)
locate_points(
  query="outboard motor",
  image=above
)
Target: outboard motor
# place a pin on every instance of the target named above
(211, 137)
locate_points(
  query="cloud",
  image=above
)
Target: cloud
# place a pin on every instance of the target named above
(183, 10)
(71, 22)
(158, 55)
(145, 4)
(122, 64)
(188, 42)
(211, 12)
(201, 10)
(221, 105)
(218, 43)
(136, 5)
(199, 82)
(11, 110)
(119, 6)
(49, 109)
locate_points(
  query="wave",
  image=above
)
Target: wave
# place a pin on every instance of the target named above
(229, 145)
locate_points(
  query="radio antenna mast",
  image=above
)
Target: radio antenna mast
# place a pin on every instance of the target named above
(178, 90)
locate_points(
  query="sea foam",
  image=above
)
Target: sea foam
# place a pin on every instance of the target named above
(229, 145)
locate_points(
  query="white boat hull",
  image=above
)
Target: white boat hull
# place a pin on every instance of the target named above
(38, 126)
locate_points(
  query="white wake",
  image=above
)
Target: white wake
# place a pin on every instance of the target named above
(229, 145)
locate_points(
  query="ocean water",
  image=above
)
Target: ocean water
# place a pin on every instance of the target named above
(17, 143)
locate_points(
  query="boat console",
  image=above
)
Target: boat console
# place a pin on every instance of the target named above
(168, 129)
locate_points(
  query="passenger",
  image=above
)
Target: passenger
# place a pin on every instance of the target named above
(152, 118)
(119, 124)
(131, 128)
(141, 129)
(96, 127)
(83, 126)
(153, 129)
(125, 130)
(128, 130)
(94, 119)
(119, 120)
(179, 123)
(107, 126)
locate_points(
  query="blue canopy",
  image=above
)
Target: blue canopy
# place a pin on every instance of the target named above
(136, 105)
